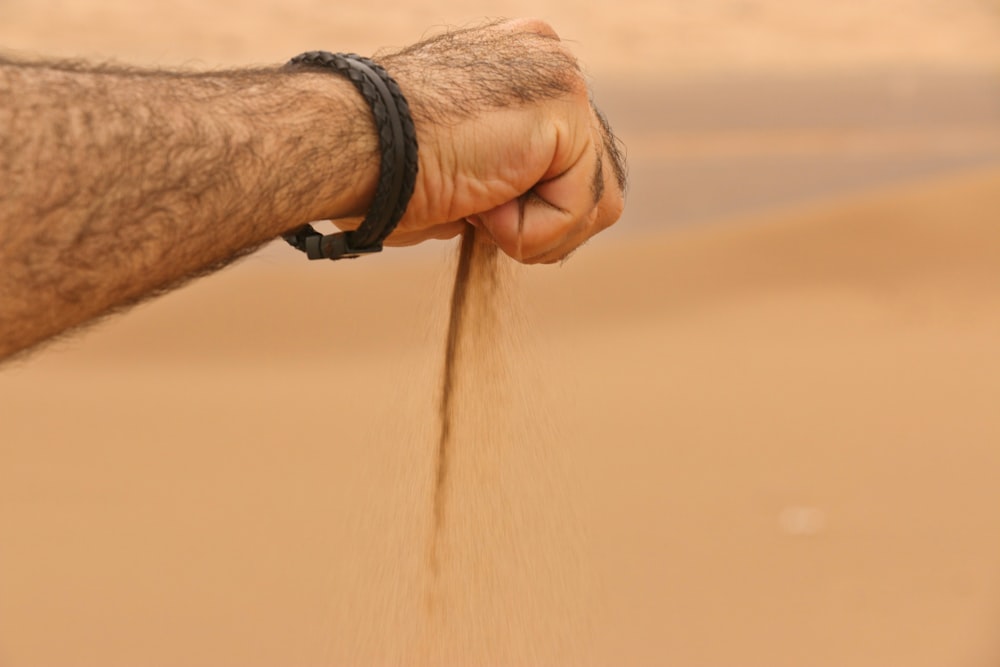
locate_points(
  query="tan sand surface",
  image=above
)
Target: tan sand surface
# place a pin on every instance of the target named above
(770, 439)
(772, 443)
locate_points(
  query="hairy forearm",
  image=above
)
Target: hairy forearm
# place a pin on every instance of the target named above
(116, 183)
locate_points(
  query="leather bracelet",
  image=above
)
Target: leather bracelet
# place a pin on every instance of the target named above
(397, 146)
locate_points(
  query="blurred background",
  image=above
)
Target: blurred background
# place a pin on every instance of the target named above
(762, 409)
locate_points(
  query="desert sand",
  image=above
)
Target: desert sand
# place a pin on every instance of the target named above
(755, 424)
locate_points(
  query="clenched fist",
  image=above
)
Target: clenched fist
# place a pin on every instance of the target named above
(509, 141)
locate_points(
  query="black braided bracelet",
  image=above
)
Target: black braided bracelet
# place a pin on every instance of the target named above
(397, 140)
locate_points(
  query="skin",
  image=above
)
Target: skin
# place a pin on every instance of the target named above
(120, 184)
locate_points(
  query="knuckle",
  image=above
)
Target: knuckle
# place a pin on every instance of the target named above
(611, 211)
(617, 208)
(535, 25)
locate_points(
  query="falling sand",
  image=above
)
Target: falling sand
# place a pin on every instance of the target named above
(484, 258)
(501, 587)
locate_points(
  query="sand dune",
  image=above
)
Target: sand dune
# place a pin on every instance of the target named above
(766, 443)
(766, 440)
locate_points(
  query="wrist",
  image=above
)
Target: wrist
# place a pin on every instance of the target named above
(337, 155)
(398, 167)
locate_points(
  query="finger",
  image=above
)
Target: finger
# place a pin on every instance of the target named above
(580, 235)
(610, 193)
(607, 210)
(541, 219)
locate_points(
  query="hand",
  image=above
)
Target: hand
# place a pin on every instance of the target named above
(509, 142)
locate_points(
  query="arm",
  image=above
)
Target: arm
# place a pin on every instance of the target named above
(115, 184)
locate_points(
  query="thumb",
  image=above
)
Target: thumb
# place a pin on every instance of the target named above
(553, 218)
